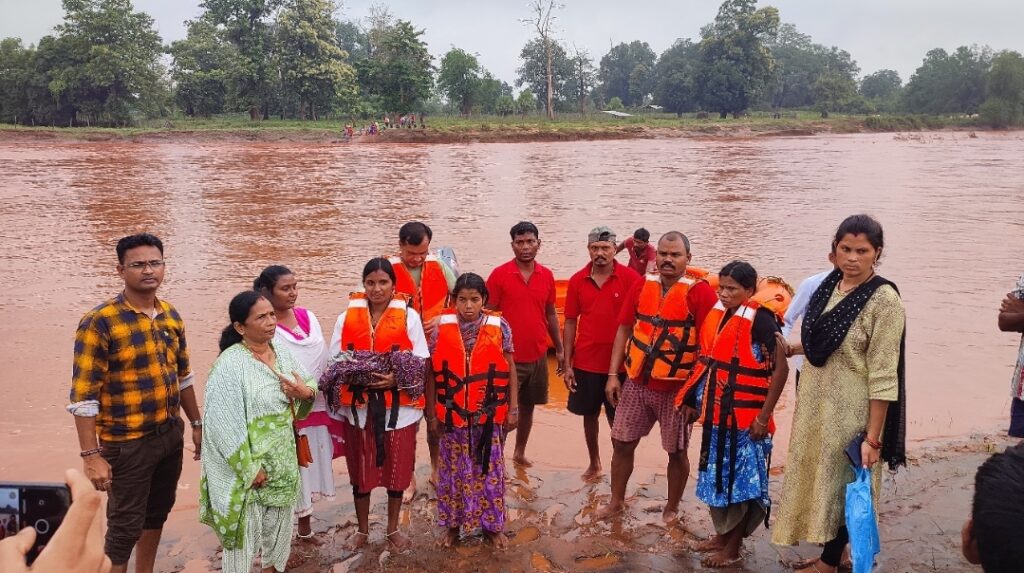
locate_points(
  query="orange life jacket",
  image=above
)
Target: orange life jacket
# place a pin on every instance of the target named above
(737, 381)
(390, 334)
(664, 340)
(472, 387)
(430, 297)
(736, 384)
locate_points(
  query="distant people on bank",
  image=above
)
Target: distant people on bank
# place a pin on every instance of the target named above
(641, 252)
(472, 401)
(298, 330)
(249, 484)
(523, 291)
(853, 384)
(657, 340)
(732, 393)
(798, 308)
(130, 380)
(426, 280)
(990, 536)
(1011, 319)
(381, 411)
(593, 302)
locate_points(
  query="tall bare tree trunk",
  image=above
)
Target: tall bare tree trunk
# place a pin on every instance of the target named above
(550, 106)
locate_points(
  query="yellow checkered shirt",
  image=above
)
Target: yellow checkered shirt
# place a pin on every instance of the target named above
(130, 364)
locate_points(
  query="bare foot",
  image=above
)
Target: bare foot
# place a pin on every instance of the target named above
(498, 539)
(520, 460)
(593, 472)
(410, 492)
(449, 538)
(721, 559)
(816, 566)
(357, 541)
(609, 511)
(670, 516)
(310, 540)
(716, 543)
(398, 542)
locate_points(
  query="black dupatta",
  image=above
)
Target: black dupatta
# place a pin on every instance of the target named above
(823, 333)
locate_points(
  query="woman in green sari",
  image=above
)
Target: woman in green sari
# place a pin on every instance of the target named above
(250, 474)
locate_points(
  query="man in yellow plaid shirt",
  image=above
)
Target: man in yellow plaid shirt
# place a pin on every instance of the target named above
(131, 378)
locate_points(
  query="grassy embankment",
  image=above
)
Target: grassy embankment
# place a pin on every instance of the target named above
(493, 128)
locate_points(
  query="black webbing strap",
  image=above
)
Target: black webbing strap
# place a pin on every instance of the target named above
(377, 412)
(658, 322)
(725, 416)
(494, 397)
(675, 357)
(735, 367)
(710, 392)
(449, 387)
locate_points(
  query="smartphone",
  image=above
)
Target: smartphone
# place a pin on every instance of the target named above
(38, 505)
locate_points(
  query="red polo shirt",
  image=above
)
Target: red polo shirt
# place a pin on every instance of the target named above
(639, 264)
(597, 310)
(701, 299)
(524, 305)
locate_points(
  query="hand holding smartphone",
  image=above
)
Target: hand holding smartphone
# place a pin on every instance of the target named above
(55, 534)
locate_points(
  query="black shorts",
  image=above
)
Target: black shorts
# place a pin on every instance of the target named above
(589, 394)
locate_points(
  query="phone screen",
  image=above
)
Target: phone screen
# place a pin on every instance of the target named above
(40, 506)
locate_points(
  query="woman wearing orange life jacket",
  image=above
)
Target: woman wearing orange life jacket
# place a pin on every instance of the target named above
(379, 321)
(733, 390)
(472, 400)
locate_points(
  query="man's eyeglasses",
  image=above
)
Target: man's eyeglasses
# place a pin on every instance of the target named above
(141, 265)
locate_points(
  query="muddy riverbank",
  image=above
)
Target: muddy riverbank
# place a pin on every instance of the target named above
(551, 527)
(464, 132)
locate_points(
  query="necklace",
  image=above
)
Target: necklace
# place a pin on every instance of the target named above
(266, 358)
(839, 287)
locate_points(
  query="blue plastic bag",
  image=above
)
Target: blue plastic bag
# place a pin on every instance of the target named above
(861, 522)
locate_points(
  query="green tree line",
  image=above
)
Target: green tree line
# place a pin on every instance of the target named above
(107, 65)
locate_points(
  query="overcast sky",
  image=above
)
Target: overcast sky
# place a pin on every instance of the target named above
(879, 34)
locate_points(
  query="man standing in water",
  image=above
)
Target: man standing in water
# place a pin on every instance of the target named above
(641, 253)
(426, 280)
(658, 340)
(1011, 319)
(523, 291)
(131, 378)
(592, 305)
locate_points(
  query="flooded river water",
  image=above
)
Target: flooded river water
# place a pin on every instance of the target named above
(952, 207)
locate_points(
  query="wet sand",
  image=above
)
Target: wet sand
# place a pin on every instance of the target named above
(551, 526)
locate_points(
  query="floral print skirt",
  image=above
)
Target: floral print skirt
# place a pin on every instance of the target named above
(466, 497)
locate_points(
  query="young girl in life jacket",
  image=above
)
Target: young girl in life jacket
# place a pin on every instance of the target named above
(471, 403)
(733, 392)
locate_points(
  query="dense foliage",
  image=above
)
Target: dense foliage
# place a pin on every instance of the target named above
(106, 65)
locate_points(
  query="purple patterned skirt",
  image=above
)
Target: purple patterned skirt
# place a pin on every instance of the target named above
(466, 498)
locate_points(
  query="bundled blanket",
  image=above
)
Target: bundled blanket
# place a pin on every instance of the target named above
(356, 367)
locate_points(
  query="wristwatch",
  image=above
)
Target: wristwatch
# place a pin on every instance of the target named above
(197, 423)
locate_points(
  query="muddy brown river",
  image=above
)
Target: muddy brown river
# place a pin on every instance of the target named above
(952, 208)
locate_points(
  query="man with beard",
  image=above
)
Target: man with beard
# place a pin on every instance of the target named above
(592, 305)
(657, 339)
(523, 291)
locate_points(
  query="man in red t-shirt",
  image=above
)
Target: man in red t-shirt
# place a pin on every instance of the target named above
(641, 253)
(593, 302)
(523, 291)
(647, 399)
